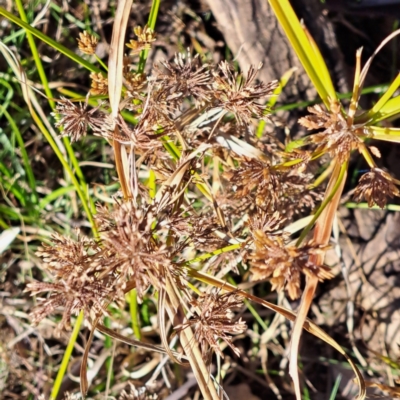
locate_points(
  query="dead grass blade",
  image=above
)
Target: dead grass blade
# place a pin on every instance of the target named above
(369, 62)
(173, 306)
(162, 323)
(83, 371)
(115, 77)
(176, 178)
(390, 390)
(307, 325)
(29, 95)
(137, 343)
(322, 233)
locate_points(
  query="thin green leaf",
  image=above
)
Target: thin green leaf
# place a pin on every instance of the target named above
(303, 48)
(386, 134)
(55, 194)
(57, 46)
(67, 354)
(389, 110)
(385, 98)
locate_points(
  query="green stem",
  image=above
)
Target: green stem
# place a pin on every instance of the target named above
(151, 24)
(24, 154)
(66, 357)
(49, 94)
(133, 307)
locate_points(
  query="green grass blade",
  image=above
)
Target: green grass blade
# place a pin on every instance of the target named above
(389, 207)
(274, 98)
(24, 154)
(385, 134)
(48, 92)
(44, 38)
(134, 311)
(385, 98)
(10, 93)
(389, 110)
(152, 24)
(308, 54)
(55, 194)
(64, 363)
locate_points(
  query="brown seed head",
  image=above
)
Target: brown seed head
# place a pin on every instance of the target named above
(145, 37)
(75, 119)
(214, 320)
(338, 137)
(99, 85)
(283, 264)
(87, 43)
(186, 76)
(376, 186)
(240, 95)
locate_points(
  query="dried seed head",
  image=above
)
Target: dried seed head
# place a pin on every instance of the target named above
(145, 36)
(99, 85)
(283, 265)
(214, 320)
(87, 43)
(186, 76)
(127, 238)
(376, 186)
(77, 285)
(65, 256)
(135, 82)
(273, 188)
(240, 95)
(75, 119)
(339, 138)
(133, 393)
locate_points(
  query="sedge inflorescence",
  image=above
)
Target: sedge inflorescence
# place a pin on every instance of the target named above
(217, 185)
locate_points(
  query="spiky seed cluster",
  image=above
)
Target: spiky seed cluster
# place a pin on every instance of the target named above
(339, 137)
(213, 320)
(144, 136)
(283, 264)
(133, 393)
(76, 284)
(127, 239)
(146, 36)
(376, 186)
(241, 95)
(88, 275)
(273, 188)
(186, 76)
(135, 83)
(76, 119)
(87, 43)
(99, 85)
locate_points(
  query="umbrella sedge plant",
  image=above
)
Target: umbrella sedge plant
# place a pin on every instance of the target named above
(202, 190)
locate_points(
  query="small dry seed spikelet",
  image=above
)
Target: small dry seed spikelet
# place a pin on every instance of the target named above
(87, 43)
(135, 83)
(338, 138)
(75, 119)
(214, 320)
(99, 85)
(273, 188)
(77, 285)
(283, 264)
(240, 95)
(184, 77)
(376, 186)
(146, 36)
